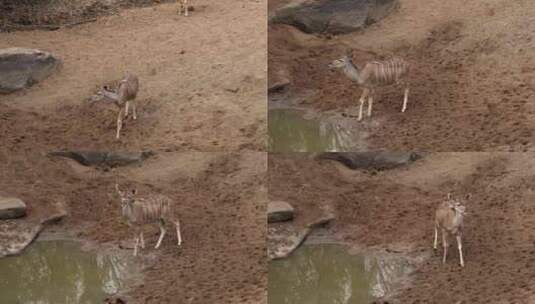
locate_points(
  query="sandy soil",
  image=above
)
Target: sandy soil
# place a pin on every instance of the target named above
(202, 79)
(202, 89)
(394, 210)
(219, 197)
(473, 74)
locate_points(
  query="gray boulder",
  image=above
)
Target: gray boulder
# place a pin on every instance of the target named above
(279, 211)
(21, 68)
(11, 208)
(378, 160)
(334, 16)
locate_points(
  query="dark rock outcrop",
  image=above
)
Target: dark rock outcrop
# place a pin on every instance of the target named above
(377, 160)
(104, 159)
(21, 68)
(334, 16)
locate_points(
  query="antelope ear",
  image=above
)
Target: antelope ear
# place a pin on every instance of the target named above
(469, 196)
(134, 191)
(449, 195)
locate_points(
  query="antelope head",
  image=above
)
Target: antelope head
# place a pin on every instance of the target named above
(340, 63)
(127, 197)
(456, 204)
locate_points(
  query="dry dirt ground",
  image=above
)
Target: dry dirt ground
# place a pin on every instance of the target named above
(394, 210)
(202, 89)
(472, 79)
(219, 197)
(202, 80)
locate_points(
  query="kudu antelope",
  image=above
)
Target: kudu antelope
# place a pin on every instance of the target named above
(140, 211)
(374, 74)
(183, 7)
(449, 218)
(123, 95)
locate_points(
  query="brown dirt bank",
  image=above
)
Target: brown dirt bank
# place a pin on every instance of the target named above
(202, 80)
(471, 82)
(219, 197)
(394, 209)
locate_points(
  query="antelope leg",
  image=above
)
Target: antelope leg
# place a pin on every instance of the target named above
(362, 99)
(126, 109)
(162, 234)
(436, 238)
(119, 123)
(178, 234)
(445, 245)
(460, 246)
(142, 240)
(370, 104)
(405, 99)
(135, 245)
(134, 110)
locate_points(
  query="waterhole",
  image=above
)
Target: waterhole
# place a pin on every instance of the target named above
(58, 272)
(328, 274)
(293, 130)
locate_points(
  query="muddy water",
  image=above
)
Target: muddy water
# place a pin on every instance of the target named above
(293, 130)
(328, 274)
(57, 272)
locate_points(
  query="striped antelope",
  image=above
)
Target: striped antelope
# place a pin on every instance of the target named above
(374, 74)
(147, 210)
(449, 218)
(183, 7)
(123, 95)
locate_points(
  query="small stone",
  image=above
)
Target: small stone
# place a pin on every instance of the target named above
(279, 211)
(11, 208)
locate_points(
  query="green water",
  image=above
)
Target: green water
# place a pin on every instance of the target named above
(327, 274)
(290, 131)
(58, 272)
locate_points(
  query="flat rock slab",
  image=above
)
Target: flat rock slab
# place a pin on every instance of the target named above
(16, 235)
(285, 238)
(279, 211)
(11, 208)
(21, 68)
(104, 159)
(333, 16)
(379, 160)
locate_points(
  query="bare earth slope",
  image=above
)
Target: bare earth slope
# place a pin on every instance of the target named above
(220, 199)
(202, 79)
(394, 209)
(473, 74)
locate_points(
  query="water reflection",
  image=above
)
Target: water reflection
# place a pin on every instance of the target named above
(291, 131)
(327, 274)
(59, 272)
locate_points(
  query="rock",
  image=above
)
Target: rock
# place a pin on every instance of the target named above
(16, 235)
(279, 80)
(333, 16)
(322, 221)
(378, 160)
(104, 159)
(279, 211)
(11, 208)
(284, 239)
(21, 68)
